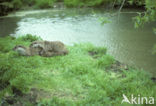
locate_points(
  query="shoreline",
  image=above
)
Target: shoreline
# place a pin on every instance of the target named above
(23, 12)
(61, 5)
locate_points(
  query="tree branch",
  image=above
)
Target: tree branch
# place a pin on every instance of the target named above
(120, 9)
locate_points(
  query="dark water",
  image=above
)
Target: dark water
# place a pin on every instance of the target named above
(124, 42)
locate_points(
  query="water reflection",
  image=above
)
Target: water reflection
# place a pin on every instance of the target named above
(8, 25)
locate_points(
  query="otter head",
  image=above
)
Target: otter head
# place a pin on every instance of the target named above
(20, 49)
(36, 45)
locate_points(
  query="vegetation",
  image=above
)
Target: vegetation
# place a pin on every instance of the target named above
(86, 76)
(17, 4)
(148, 16)
(83, 3)
(83, 77)
(10, 5)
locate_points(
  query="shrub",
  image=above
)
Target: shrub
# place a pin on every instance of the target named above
(72, 3)
(80, 3)
(29, 2)
(44, 3)
(17, 4)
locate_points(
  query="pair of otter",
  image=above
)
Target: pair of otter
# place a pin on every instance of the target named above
(42, 48)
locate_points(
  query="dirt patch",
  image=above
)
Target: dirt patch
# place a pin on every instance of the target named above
(19, 98)
(3, 85)
(66, 95)
(33, 97)
(93, 54)
(153, 79)
(118, 67)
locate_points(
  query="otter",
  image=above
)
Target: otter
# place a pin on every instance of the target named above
(26, 51)
(42, 48)
(50, 48)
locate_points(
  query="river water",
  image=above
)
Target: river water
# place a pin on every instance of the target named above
(124, 42)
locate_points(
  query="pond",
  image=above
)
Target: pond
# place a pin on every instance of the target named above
(124, 42)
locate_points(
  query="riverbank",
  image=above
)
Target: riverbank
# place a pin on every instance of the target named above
(7, 6)
(86, 76)
(124, 42)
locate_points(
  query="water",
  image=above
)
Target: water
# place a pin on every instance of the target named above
(127, 44)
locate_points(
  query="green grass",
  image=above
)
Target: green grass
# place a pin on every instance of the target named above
(75, 79)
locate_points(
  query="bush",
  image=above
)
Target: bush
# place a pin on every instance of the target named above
(81, 3)
(44, 3)
(28, 2)
(17, 4)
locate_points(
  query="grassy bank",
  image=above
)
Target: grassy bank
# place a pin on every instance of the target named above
(85, 76)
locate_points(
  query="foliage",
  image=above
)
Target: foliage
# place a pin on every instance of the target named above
(82, 3)
(136, 2)
(104, 20)
(79, 78)
(44, 3)
(28, 2)
(17, 4)
(148, 16)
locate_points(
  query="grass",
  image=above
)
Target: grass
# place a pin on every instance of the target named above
(80, 78)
